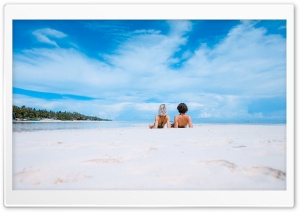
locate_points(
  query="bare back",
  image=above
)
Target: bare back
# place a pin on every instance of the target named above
(160, 122)
(180, 121)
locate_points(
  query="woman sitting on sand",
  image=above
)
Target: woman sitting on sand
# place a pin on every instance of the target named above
(181, 120)
(162, 118)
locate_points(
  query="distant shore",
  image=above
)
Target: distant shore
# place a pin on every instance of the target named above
(31, 114)
(56, 120)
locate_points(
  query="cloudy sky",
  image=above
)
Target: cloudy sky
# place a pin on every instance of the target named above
(224, 70)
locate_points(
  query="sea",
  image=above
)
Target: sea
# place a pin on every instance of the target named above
(30, 126)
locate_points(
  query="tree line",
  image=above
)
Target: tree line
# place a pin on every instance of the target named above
(27, 113)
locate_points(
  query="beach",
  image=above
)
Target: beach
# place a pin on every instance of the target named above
(206, 157)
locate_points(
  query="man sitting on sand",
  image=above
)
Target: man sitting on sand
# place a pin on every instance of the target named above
(182, 120)
(162, 118)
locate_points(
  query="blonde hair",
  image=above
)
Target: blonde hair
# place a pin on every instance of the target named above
(162, 111)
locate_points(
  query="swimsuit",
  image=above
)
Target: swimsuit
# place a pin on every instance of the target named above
(161, 124)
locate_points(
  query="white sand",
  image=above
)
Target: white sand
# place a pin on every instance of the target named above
(207, 157)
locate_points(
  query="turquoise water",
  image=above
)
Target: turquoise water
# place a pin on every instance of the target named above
(78, 125)
(71, 125)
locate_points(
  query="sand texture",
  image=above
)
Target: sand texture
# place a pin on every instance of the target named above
(207, 157)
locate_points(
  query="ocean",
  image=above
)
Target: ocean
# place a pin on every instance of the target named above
(30, 126)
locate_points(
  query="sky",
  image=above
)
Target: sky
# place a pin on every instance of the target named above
(224, 70)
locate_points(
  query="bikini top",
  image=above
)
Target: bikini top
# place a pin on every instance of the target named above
(162, 122)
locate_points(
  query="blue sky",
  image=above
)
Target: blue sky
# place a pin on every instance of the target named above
(224, 70)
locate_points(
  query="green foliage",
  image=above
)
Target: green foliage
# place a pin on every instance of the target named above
(34, 114)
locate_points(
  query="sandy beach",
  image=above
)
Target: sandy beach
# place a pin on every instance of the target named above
(206, 157)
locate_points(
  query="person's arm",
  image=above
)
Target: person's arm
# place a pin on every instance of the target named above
(175, 122)
(156, 122)
(190, 122)
(168, 122)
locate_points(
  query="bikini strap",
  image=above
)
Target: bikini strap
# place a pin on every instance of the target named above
(163, 121)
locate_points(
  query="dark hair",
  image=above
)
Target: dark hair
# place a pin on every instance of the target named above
(182, 108)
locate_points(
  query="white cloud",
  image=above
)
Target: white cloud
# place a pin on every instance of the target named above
(179, 28)
(246, 62)
(216, 81)
(231, 108)
(47, 35)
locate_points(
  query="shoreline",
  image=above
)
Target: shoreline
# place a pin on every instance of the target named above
(50, 120)
(149, 122)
